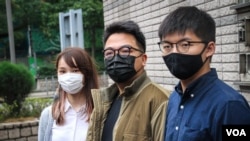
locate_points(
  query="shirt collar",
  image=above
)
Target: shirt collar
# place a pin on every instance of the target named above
(198, 84)
(67, 105)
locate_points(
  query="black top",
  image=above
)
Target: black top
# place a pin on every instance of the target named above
(111, 119)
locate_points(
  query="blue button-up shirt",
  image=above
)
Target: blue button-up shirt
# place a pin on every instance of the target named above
(199, 113)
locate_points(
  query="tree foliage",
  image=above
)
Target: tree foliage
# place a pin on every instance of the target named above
(43, 15)
(15, 84)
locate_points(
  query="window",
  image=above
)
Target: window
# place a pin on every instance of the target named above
(244, 31)
(243, 1)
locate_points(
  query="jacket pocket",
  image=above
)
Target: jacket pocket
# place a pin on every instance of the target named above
(134, 137)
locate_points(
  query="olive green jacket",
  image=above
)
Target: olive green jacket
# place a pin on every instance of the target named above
(142, 114)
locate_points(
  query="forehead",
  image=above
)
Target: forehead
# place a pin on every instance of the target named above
(176, 36)
(62, 63)
(119, 39)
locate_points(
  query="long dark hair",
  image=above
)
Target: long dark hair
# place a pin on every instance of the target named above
(84, 62)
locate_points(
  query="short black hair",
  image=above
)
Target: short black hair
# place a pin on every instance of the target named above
(189, 18)
(129, 27)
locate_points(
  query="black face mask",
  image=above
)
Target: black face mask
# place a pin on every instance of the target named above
(120, 69)
(183, 66)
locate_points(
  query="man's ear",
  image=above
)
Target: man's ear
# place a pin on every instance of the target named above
(144, 59)
(210, 49)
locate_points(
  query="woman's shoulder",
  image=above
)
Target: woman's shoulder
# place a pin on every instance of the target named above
(46, 111)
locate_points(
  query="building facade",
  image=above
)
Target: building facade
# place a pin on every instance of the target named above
(232, 17)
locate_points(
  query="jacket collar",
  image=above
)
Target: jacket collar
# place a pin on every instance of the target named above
(129, 91)
(136, 85)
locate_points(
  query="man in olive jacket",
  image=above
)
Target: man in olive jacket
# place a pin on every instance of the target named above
(133, 108)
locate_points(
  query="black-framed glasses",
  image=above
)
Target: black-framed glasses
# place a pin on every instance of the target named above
(123, 52)
(181, 46)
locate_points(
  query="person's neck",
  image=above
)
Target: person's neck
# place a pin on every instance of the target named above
(76, 100)
(184, 83)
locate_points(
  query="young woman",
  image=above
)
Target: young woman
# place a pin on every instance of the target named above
(67, 118)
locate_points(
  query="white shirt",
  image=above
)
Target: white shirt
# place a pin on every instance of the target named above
(74, 128)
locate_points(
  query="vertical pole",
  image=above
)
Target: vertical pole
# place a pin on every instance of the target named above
(29, 41)
(10, 31)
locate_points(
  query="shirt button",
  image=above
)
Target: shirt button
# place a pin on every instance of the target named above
(182, 107)
(176, 128)
(192, 95)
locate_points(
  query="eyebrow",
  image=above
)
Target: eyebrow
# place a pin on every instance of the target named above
(184, 39)
(61, 68)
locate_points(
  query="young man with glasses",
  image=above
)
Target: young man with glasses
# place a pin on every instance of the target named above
(201, 104)
(133, 108)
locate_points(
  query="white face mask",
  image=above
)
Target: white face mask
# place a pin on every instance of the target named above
(71, 82)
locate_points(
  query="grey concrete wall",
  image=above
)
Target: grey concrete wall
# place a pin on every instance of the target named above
(20, 131)
(149, 14)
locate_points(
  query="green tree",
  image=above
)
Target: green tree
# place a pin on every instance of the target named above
(24, 13)
(43, 15)
(15, 84)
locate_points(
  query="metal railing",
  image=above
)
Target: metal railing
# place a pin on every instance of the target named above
(47, 84)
